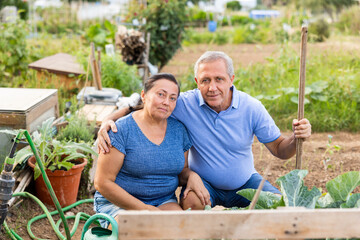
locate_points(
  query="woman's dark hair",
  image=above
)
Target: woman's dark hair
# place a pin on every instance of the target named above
(149, 83)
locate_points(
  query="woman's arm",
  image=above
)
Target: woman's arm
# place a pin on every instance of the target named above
(193, 183)
(108, 166)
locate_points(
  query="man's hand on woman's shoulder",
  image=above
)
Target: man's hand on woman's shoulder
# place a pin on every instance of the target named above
(103, 139)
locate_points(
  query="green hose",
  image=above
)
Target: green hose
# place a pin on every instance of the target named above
(47, 183)
(79, 216)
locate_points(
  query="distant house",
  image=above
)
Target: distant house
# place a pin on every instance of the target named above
(220, 5)
(261, 14)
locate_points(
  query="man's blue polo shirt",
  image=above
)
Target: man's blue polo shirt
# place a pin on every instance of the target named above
(221, 151)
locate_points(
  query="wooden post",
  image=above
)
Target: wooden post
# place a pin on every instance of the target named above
(259, 189)
(95, 68)
(146, 60)
(299, 142)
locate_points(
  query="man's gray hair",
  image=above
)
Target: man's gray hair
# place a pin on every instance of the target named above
(211, 56)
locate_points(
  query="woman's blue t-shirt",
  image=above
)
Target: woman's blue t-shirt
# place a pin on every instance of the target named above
(150, 171)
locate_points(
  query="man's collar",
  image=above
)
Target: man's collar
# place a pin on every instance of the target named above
(234, 101)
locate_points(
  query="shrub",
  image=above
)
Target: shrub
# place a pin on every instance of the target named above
(165, 20)
(13, 52)
(349, 20)
(319, 30)
(77, 130)
(233, 5)
(237, 20)
(117, 74)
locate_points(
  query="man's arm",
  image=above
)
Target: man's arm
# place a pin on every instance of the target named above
(103, 140)
(285, 148)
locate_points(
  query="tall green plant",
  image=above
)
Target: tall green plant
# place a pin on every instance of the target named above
(165, 21)
(117, 74)
(13, 52)
(101, 34)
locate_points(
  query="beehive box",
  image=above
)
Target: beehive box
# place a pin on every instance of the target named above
(24, 108)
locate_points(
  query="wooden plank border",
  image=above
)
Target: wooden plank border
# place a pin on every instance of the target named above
(256, 224)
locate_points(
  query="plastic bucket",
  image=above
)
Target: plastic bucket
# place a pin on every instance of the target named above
(212, 26)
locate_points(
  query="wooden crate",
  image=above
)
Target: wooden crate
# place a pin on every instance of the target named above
(24, 108)
(286, 223)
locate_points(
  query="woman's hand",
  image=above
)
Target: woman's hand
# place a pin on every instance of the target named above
(196, 185)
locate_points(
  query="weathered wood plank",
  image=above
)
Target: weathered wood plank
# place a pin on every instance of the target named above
(255, 224)
(97, 112)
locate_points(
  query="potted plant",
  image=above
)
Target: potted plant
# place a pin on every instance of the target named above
(77, 128)
(63, 161)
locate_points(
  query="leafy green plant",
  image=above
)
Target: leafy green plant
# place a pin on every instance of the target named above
(53, 153)
(165, 21)
(296, 194)
(77, 130)
(319, 30)
(13, 52)
(349, 21)
(330, 149)
(117, 74)
(101, 34)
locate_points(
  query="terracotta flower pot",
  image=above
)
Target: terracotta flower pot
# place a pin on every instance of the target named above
(64, 183)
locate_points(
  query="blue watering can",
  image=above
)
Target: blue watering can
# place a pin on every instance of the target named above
(98, 232)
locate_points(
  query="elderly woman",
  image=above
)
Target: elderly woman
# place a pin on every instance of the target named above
(148, 157)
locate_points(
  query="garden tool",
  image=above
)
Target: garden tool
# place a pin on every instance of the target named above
(98, 232)
(299, 142)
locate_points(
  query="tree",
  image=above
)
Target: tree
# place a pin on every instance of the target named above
(165, 21)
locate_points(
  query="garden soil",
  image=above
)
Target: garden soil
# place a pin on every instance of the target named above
(322, 164)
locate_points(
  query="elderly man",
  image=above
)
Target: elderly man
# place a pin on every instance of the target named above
(222, 122)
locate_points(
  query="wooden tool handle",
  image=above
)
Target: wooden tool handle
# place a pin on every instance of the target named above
(299, 142)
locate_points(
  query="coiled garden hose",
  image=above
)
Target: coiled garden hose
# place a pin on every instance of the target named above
(79, 216)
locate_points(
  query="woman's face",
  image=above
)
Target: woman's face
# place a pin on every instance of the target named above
(160, 100)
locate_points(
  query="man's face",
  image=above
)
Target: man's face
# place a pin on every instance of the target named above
(214, 84)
